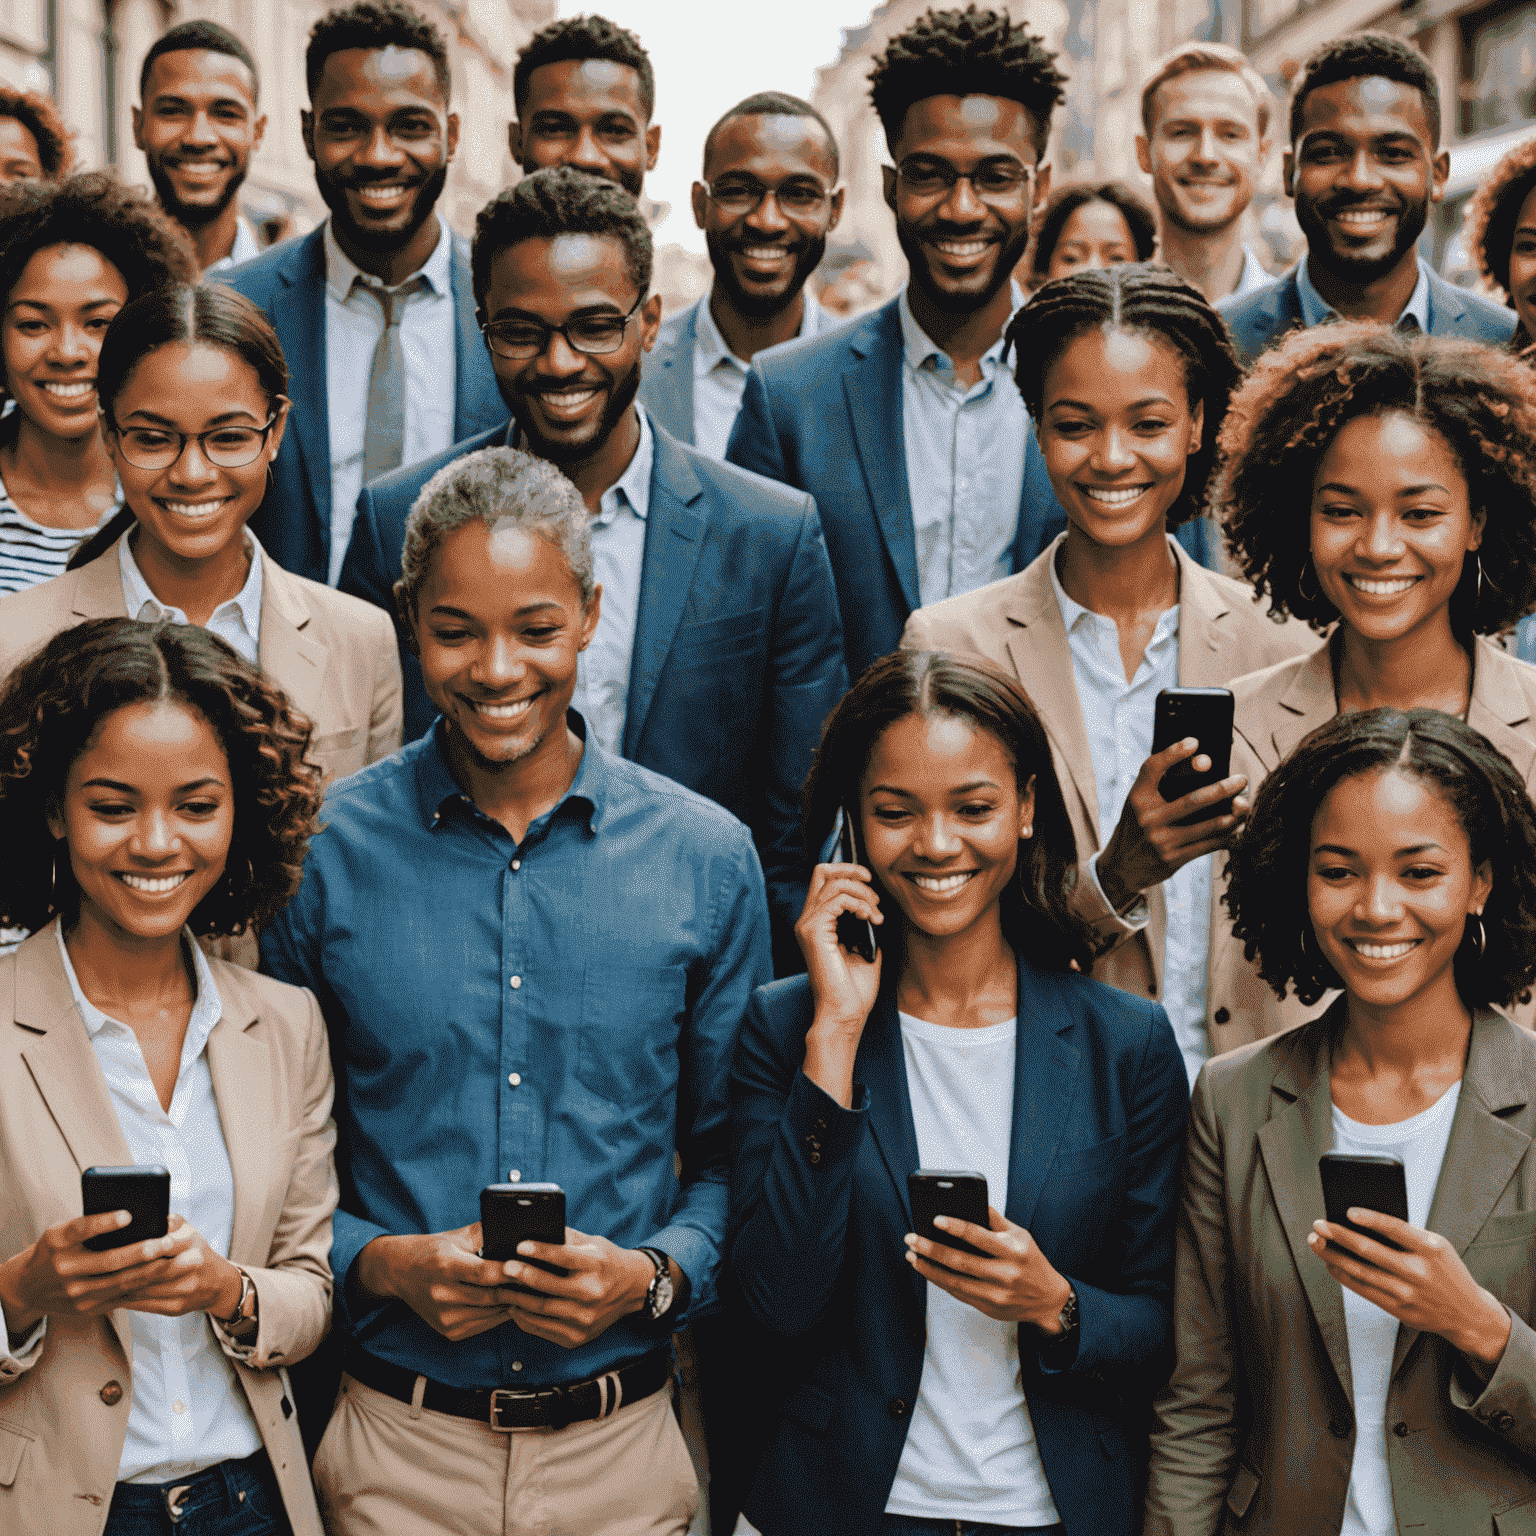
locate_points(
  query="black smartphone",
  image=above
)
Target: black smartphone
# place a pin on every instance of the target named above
(514, 1213)
(855, 934)
(947, 1192)
(145, 1193)
(1372, 1183)
(1206, 714)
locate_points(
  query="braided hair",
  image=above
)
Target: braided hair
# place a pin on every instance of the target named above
(1152, 300)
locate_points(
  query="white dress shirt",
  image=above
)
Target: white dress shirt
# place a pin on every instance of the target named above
(1118, 717)
(1253, 276)
(246, 247)
(618, 553)
(965, 463)
(354, 322)
(237, 622)
(720, 377)
(1315, 309)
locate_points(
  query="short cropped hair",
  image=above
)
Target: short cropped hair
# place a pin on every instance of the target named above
(38, 115)
(376, 24)
(52, 705)
(1291, 407)
(772, 104)
(966, 53)
(1496, 209)
(584, 37)
(495, 486)
(1364, 54)
(1066, 200)
(1267, 871)
(559, 200)
(200, 36)
(1192, 58)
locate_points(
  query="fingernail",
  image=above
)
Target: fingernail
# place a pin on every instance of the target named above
(910, 1240)
(941, 1222)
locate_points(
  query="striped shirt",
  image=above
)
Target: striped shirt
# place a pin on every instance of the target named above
(31, 552)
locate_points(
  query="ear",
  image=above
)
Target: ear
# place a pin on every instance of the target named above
(1288, 172)
(138, 127)
(589, 617)
(1042, 187)
(1440, 169)
(275, 436)
(837, 209)
(652, 145)
(699, 201)
(405, 614)
(55, 820)
(258, 133)
(1027, 802)
(1482, 889)
(650, 321)
(453, 134)
(888, 181)
(307, 132)
(1143, 153)
(1479, 526)
(1197, 427)
(515, 141)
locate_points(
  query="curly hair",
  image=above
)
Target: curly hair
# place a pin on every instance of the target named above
(1038, 920)
(1359, 55)
(559, 201)
(1065, 201)
(376, 24)
(583, 37)
(54, 702)
(1291, 407)
(1495, 209)
(1267, 872)
(966, 53)
(38, 115)
(1153, 301)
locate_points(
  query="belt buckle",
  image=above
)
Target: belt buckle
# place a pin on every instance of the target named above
(501, 1399)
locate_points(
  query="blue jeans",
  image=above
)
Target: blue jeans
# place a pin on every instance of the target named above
(912, 1525)
(235, 1498)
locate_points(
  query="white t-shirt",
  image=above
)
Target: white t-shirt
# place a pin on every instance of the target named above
(1420, 1142)
(970, 1452)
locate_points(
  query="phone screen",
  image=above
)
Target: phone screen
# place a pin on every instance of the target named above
(515, 1213)
(1369, 1183)
(947, 1192)
(144, 1192)
(1206, 714)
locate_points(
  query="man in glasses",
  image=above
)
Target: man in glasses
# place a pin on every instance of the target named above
(373, 309)
(767, 201)
(906, 425)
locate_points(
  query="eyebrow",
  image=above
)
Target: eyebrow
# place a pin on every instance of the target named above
(1407, 490)
(512, 312)
(1391, 136)
(1401, 853)
(38, 303)
(958, 789)
(1083, 405)
(131, 789)
(186, 101)
(539, 607)
(165, 421)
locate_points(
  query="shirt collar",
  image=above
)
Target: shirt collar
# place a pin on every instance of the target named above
(633, 487)
(1315, 309)
(137, 595)
(341, 272)
(246, 247)
(919, 348)
(710, 348)
(1073, 612)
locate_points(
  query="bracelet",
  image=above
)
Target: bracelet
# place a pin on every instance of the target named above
(238, 1326)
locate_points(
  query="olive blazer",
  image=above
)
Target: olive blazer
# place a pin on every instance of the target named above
(1255, 1431)
(63, 1420)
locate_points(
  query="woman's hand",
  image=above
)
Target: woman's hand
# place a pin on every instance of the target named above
(1427, 1286)
(843, 985)
(1013, 1283)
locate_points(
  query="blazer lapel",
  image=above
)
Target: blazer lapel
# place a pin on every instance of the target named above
(674, 539)
(241, 1067)
(1308, 703)
(477, 403)
(298, 316)
(1498, 706)
(667, 385)
(98, 588)
(289, 657)
(872, 388)
(1045, 1068)
(1203, 610)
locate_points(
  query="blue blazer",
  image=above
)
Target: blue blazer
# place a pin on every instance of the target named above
(824, 415)
(666, 383)
(288, 283)
(819, 1209)
(1258, 321)
(738, 651)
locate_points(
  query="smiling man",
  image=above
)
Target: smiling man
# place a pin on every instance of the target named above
(375, 309)
(767, 201)
(198, 126)
(1364, 165)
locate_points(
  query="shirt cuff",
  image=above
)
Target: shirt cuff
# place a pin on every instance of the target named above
(13, 1362)
(1090, 902)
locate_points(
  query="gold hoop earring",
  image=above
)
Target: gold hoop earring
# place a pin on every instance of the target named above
(1482, 933)
(1301, 587)
(1028, 830)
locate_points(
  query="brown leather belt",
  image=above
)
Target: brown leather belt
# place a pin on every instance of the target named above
(513, 1408)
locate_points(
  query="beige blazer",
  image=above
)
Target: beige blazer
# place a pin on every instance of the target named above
(1016, 623)
(63, 1422)
(1279, 706)
(333, 655)
(1256, 1429)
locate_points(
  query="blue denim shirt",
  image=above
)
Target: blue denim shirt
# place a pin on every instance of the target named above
(562, 1009)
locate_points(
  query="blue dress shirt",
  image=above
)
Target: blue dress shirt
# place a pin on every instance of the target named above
(562, 1009)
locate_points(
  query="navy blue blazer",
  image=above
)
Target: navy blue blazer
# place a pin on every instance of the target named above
(1260, 319)
(288, 283)
(666, 382)
(819, 1209)
(738, 653)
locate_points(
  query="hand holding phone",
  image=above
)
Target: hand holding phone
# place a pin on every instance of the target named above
(855, 934)
(514, 1213)
(144, 1192)
(947, 1192)
(1206, 714)
(1369, 1183)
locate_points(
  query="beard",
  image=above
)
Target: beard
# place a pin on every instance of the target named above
(1009, 254)
(1347, 268)
(621, 396)
(758, 306)
(382, 241)
(193, 215)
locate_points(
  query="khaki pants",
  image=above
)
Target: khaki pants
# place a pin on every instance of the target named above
(387, 1469)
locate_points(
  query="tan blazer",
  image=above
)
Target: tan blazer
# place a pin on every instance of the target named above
(333, 655)
(1255, 1431)
(1016, 623)
(1276, 709)
(63, 1422)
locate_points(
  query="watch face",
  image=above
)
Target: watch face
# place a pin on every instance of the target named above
(661, 1295)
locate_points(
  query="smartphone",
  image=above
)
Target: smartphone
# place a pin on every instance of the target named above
(1373, 1183)
(1206, 714)
(855, 934)
(145, 1193)
(947, 1192)
(515, 1213)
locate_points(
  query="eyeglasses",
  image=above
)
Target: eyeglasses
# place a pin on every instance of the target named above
(228, 447)
(737, 196)
(595, 335)
(991, 181)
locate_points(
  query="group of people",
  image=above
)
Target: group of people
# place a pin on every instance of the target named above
(460, 733)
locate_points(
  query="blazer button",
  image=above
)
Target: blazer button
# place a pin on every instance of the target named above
(898, 1407)
(1339, 1425)
(1221, 1016)
(1400, 1430)
(1503, 1422)
(814, 1159)
(112, 1394)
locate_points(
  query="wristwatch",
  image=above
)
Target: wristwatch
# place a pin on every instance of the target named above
(1067, 1317)
(659, 1294)
(240, 1328)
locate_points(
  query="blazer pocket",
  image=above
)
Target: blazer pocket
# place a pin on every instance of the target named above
(811, 1408)
(1518, 1228)
(1240, 1494)
(1100, 1154)
(13, 1446)
(716, 632)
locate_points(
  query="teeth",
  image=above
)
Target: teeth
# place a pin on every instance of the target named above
(382, 197)
(513, 711)
(1121, 498)
(1363, 216)
(153, 887)
(1380, 588)
(764, 252)
(942, 883)
(193, 508)
(569, 400)
(71, 391)
(961, 247)
(1383, 951)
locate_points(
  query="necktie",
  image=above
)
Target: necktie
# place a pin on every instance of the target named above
(384, 436)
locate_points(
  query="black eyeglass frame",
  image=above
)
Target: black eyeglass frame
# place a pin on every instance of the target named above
(942, 171)
(200, 438)
(551, 331)
(766, 191)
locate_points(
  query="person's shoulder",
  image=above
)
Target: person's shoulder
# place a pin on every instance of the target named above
(983, 609)
(732, 491)
(675, 328)
(679, 812)
(1255, 692)
(372, 799)
(1472, 313)
(258, 275)
(1258, 304)
(346, 616)
(1237, 1083)
(1277, 636)
(396, 491)
(25, 613)
(806, 360)
(786, 1005)
(241, 990)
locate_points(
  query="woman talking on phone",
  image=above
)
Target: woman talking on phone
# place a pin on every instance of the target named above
(153, 787)
(1365, 1383)
(1004, 1390)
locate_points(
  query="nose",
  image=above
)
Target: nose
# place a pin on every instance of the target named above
(936, 839)
(1362, 171)
(199, 130)
(1381, 539)
(587, 154)
(154, 837)
(1380, 902)
(499, 663)
(1112, 452)
(768, 216)
(560, 360)
(72, 345)
(380, 150)
(1205, 149)
(192, 468)
(960, 204)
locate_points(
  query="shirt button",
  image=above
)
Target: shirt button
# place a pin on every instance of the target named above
(517, 864)
(515, 1078)
(514, 1176)
(515, 983)
(517, 1365)
(112, 1394)
(178, 1406)
(1400, 1430)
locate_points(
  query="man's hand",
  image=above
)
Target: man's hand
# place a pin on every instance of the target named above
(604, 1283)
(1013, 1282)
(442, 1279)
